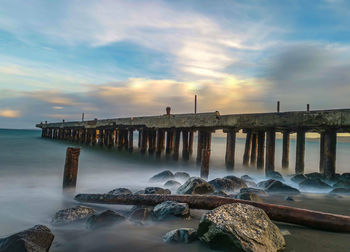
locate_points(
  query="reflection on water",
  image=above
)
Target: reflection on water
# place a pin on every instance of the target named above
(31, 171)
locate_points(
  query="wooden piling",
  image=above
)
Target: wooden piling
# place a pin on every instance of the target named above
(254, 150)
(200, 146)
(270, 151)
(322, 134)
(185, 145)
(151, 141)
(100, 137)
(205, 163)
(176, 144)
(144, 142)
(169, 141)
(71, 167)
(93, 137)
(300, 152)
(285, 149)
(160, 142)
(261, 150)
(131, 140)
(190, 142)
(330, 144)
(230, 149)
(248, 144)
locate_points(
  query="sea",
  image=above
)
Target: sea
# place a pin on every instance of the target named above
(31, 172)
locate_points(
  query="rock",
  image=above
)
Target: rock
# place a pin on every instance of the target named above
(120, 191)
(220, 193)
(288, 198)
(315, 175)
(223, 184)
(249, 196)
(195, 185)
(156, 190)
(240, 227)
(298, 178)
(185, 235)
(248, 180)
(182, 176)
(275, 175)
(162, 176)
(247, 177)
(172, 184)
(238, 183)
(345, 176)
(139, 192)
(103, 219)
(140, 214)
(36, 239)
(340, 191)
(314, 183)
(275, 186)
(73, 214)
(253, 190)
(171, 208)
(342, 184)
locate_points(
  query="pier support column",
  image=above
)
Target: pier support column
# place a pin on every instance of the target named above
(270, 151)
(190, 142)
(248, 144)
(144, 141)
(100, 137)
(254, 150)
(160, 142)
(131, 140)
(152, 141)
(185, 145)
(205, 163)
(330, 144)
(200, 146)
(139, 138)
(230, 148)
(285, 149)
(261, 150)
(322, 134)
(110, 138)
(300, 152)
(169, 141)
(71, 167)
(176, 144)
(93, 137)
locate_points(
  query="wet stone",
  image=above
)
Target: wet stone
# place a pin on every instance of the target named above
(249, 196)
(253, 190)
(156, 190)
(162, 176)
(314, 183)
(168, 209)
(181, 235)
(172, 184)
(275, 175)
(222, 184)
(238, 183)
(195, 185)
(120, 191)
(182, 176)
(275, 186)
(340, 191)
(103, 219)
(220, 193)
(342, 184)
(73, 214)
(140, 214)
(298, 178)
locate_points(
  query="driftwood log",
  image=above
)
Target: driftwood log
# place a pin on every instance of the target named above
(308, 218)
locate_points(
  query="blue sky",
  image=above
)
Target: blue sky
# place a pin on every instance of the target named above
(126, 58)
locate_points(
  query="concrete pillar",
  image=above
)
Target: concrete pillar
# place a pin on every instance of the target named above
(330, 145)
(322, 134)
(131, 140)
(176, 144)
(185, 145)
(230, 149)
(190, 142)
(261, 150)
(285, 149)
(300, 152)
(254, 150)
(248, 144)
(270, 151)
(169, 141)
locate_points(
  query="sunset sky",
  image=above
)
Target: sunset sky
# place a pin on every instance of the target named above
(114, 58)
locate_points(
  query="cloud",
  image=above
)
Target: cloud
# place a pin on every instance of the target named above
(9, 113)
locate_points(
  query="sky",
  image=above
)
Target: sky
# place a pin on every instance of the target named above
(111, 58)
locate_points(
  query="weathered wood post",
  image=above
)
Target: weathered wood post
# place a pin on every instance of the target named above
(300, 152)
(330, 144)
(200, 146)
(160, 142)
(139, 138)
(254, 150)
(190, 142)
(322, 134)
(100, 137)
(169, 141)
(110, 138)
(177, 144)
(230, 148)
(152, 141)
(248, 144)
(185, 145)
(131, 140)
(278, 106)
(121, 139)
(261, 150)
(270, 151)
(285, 149)
(93, 137)
(82, 138)
(144, 142)
(71, 167)
(205, 163)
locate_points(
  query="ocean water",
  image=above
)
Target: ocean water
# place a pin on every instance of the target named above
(31, 171)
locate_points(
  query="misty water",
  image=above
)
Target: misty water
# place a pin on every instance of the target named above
(31, 171)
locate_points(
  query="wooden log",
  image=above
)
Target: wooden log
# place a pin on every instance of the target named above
(230, 149)
(300, 152)
(330, 143)
(322, 152)
(270, 151)
(254, 150)
(285, 149)
(176, 144)
(304, 217)
(261, 150)
(205, 163)
(185, 147)
(248, 144)
(71, 167)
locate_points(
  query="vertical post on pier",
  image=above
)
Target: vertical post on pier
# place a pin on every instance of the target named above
(151, 141)
(126, 139)
(322, 135)
(200, 145)
(71, 167)
(139, 138)
(205, 159)
(248, 144)
(261, 150)
(144, 139)
(330, 144)
(308, 107)
(93, 136)
(300, 152)
(176, 144)
(190, 142)
(110, 138)
(160, 139)
(169, 142)
(195, 104)
(254, 150)
(278, 106)
(285, 149)
(270, 151)
(230, 149)
(131, 140)
(100, 137)
(116, 137)
(185, 145)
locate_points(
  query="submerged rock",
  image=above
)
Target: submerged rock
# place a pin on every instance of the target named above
(275, 186)
(220, 193)
(253, 190)
(314, 183)
(315, 175)
(248, 180)
(73, 214)
(36, 239)
(156, 190)
(247, 177)
(342, 184)
(240, 227)
(171, 208)
(172, 184)
(195, 185)
(340, 191)
(185, 235)
(275, 175)
(103, 219)
(289, 198)
(298, 178)
(182, 176)
(140, 214)
(249, 196)
(223, 184)
(162, 176)
(120, 191)
(238, 183)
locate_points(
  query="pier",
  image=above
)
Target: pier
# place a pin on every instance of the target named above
(157, 134)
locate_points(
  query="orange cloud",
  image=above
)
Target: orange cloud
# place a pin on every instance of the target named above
(9, 113)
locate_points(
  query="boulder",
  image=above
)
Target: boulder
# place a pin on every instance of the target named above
(172, 184)
(275, 186)
(103, 219)
(314, 183)
(156, 190)
(140, 214)
(195, 185)
(298, 178)
(220, 193)
(289, 198)
(345, 176)
(275, 175)
(222, 184)
(249, 196)
(73, 214)
(342, 184)
(120, 191)
(171, 208)
(315, 175)
(248, 180)
(240, 227)
(253, 190)
(247, 177)
(139, 192)
(35, 239)
(238, 183)
(162, 176)
(183, 235)
(340, 191)
(182, 176)
(264, 184)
